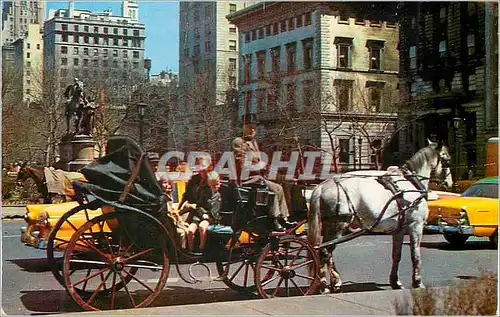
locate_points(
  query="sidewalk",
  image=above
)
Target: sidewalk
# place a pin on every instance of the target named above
(362, 303)
(11, 212)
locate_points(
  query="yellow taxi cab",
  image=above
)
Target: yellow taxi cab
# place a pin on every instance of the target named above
(474, 213)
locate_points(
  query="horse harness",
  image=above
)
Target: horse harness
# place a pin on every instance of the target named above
(397, 194)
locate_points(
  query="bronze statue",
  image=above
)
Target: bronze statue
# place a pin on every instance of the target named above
(79, 110)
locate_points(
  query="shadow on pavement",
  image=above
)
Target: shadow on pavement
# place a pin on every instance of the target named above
(32, 265)
(349, 287)
(468, 246)
(48, 302)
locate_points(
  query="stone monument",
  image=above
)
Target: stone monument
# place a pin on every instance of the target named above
(76, 148)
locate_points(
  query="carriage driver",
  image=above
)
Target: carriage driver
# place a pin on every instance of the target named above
(248, 144)
(206, 210)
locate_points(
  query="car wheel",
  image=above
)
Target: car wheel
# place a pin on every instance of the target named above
(494, 239)
(455, 239)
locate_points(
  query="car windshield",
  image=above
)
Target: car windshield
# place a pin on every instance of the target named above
(482, 190)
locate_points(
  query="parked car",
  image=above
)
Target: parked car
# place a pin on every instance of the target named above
(474, 213)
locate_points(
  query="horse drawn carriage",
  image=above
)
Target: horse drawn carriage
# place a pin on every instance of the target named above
(120, 239)
(124, 237)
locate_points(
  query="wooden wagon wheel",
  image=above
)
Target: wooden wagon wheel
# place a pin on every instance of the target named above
(241, 268)
(116, 244)
(296, 267)
(57, 243)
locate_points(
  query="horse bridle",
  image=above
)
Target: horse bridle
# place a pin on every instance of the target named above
(444, 159)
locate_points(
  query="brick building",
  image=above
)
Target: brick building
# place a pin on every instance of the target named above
(327, 72)
(448, 78)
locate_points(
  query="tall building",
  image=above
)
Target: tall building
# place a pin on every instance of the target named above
(449, 72)
(17, 15)
(28, 60)
(320, 76)
(208, 60)
(84, 44)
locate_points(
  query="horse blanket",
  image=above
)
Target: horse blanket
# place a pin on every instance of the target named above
(59, 181)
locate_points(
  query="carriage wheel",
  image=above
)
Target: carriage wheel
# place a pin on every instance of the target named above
(56, 264)
(241, 272)
(295, 265)
(133, 253)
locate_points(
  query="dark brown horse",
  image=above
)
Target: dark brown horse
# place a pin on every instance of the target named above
(34, 175)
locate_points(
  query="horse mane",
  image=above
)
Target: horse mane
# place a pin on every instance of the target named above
(421, 157)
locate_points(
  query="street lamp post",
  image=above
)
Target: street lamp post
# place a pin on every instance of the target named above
(141, 109)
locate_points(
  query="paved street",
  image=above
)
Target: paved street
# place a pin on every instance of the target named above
(29, 288)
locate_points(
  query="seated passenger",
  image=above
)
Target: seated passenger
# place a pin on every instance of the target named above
(206, 210)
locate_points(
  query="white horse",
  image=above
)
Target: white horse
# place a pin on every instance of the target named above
(363, 199)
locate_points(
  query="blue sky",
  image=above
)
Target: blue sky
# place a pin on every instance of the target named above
(162, 28)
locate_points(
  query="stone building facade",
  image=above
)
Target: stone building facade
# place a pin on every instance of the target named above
(17, 15)
(449, 79)
(328, 72)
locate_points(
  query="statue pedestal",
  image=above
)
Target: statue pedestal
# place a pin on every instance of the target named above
(75, 153)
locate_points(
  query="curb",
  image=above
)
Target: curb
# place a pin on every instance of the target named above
(13, 217)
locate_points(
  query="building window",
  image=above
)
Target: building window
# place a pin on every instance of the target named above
(64, 61)
(375, 54)
(283, 26)
(344, 149)
(232, 30)
(269, 30)
(300, 21)
(208, 11)
(343, 19)
(135, 54)
(125, 43)
(86, 39)
(85, 51)
(275, 59)
(105, 52)
(136, 32)
(105, 30)
(232, 8)
(375, 96)
(115, 53)
(232, 64)
(75, 61)
(376, 23)
(136, 65)
(76, 39)
(390, 24)
(254, 35)
(344, 92)
(247, 37)
(261, 64)
(115, 30)
(375, 146)
(276, 28)
(125, 54)
(290, 97)
(96, 40)
(65, 38)
(125, 32)
(64, 27)
(308, 53)
(359, 21)
(76, 27)
(232, 45)
(28, 45)
(38, 46)
(232, 81)
(291, 24)
(115, 42)
(96, 29)
(64, 50)
(442, 14)
(75, 51)
(247, 67)
(261, 95)
(85, 62)
(96, 52)
(308, 18)
(261, 33)
(413, 57)
(86, 28)
(28, 55)
(442, 46)
(307, 96)
(343, 45)
(471, 44)
(106, 41)
(197, 33)
(291, 57)
(207, 46)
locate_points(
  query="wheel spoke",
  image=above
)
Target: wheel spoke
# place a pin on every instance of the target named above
(277, 260)
(270, 268)
(90, 276)
(277, 287)
(126, 289)
(103, 282)
(287, 288)
(101, 226)
(113, 291)
(71, 224)
(237, 271)
(85, 284)
(297, 287)
(306, 277)
(246, 275)
(139, 281)
(88, 261)
(94, 248)
(303, 264)
(137, 255)
(270, 280)
(297, 255)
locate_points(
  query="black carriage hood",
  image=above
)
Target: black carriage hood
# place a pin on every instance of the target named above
(108, 175)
